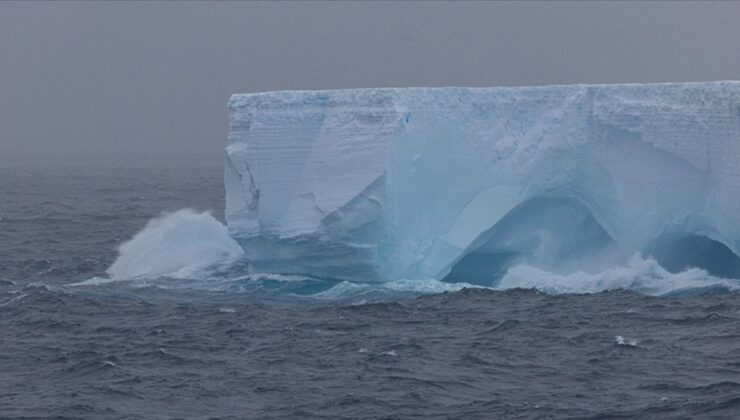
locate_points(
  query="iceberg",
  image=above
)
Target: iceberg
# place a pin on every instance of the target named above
(461, 184)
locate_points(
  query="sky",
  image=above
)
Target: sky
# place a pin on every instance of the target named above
(135, 81)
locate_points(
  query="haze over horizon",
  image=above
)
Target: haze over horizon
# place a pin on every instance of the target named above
(133, 81)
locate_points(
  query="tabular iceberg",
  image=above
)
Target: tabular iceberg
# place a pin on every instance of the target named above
(460, 183)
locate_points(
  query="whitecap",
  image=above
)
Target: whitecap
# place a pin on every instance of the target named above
(640, 274)
(624, 341)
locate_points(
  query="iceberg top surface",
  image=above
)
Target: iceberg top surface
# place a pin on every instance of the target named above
(358, 96)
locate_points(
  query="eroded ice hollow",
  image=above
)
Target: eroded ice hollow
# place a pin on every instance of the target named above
(462, 183)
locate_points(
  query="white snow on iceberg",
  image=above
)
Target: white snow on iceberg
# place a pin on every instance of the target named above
(462, 183)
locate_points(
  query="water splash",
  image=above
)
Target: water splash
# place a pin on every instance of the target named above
(180, 245)
(643, 275)
(192, 251)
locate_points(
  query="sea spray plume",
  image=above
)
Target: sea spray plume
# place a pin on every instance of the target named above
(175, 244)
(191, 245)
(640, 274)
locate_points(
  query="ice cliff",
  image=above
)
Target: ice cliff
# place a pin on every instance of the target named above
(462, 183)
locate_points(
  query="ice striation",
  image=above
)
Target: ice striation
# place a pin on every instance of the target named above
(461, 184)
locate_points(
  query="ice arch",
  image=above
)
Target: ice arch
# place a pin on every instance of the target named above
(555, 233)
(679, 251)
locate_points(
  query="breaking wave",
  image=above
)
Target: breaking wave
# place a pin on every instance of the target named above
(180, 245)
(643, 275)
(190, 250)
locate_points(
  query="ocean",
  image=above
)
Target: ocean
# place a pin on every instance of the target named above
(211, 340)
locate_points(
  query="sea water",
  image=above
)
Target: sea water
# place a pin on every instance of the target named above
(120, 296)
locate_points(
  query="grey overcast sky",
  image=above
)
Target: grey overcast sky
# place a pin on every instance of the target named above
(131, 81)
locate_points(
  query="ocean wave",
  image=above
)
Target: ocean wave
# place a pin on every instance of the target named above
(189, 250)
(180, 245)
(643, 275)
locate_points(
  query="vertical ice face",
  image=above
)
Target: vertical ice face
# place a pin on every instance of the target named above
(377, 184)
(305, 178)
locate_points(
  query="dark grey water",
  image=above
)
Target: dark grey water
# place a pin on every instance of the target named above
(62, 223)
(163, 350)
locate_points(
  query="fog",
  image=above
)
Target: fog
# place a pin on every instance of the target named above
(150, 81)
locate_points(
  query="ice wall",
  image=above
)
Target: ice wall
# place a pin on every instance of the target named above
(454, 183)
